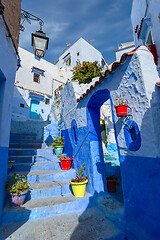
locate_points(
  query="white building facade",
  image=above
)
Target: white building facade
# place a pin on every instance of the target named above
(36, 84)
(80, 51)
(145, 19)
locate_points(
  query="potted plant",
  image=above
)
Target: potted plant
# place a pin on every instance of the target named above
(112, 183)
(121, 107)
(18, 187)
(79, 183)
(58, 145)
(65, 162)
(10, 165)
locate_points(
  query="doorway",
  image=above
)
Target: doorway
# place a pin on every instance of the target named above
(34, 109)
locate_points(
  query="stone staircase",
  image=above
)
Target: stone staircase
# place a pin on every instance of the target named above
(50, 189)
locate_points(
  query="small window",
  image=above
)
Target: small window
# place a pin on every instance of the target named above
(22, 105)
(132, 135)
(47, 101)
(68, 62)
(78, 54)
(36, 78)
(74, 131)
(149, 39)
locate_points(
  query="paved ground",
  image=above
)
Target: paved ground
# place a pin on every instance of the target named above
(89, 225)
(103, 223)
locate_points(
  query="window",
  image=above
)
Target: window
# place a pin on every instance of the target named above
(68, 62)
(132, 135)
(36, 78)
(78, 54)
(22, 105)
(47, 101)
(149, 39)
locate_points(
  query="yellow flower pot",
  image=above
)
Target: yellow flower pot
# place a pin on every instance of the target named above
(79, 188)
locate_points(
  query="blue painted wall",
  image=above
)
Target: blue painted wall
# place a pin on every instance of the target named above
(140, 169)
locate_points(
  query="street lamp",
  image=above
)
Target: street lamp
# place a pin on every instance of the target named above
(39, 43)
(39, 39)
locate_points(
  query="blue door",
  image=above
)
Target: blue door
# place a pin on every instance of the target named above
(34, 109)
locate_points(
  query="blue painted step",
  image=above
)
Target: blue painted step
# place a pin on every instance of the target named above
(32, 151)
(26, 141)
(47, 207)
(30, 145)
(47, 175)
(32, 159)
(49, 189)
(52, 165)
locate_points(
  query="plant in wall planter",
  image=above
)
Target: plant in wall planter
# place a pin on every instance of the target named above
(121, 106)
(112, 183)
(58, 145)
(65, 162)
(18, 187)
(79, 183)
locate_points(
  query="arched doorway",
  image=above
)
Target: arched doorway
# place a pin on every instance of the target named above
(97, 156)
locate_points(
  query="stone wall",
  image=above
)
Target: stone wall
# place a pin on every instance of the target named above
(12, 14)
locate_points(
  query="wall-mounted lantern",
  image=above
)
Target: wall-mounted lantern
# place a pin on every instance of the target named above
(39, 43)
(39, 39)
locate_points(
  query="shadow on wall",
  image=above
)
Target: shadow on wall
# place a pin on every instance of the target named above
(99, 220)
(141, 179)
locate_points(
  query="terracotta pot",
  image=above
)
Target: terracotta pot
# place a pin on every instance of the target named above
(111, 185)
(121, 110)
(66, 163)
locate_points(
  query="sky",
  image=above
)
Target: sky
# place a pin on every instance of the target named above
(106, 23)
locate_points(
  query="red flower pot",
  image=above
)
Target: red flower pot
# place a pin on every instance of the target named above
(111, 185)
(121, 110)
(66, 163)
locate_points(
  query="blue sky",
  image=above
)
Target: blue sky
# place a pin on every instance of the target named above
(103, 21)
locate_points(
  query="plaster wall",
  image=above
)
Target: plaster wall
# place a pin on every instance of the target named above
(139, 11)
(120, 52)
(50, 80)
(86, 53)
(136, 79)
(8, 63)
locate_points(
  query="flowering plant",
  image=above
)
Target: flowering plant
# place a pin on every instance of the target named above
(86, 71)
(120, 101)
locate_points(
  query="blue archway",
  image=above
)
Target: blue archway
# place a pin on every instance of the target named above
(93, 117)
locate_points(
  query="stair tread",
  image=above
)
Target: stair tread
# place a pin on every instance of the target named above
(49, 184)
(35, 163)
(41, 172)
(45, 202)
(39, 155)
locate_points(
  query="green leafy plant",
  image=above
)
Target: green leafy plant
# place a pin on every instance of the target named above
(79, 175)
(17, 184)
(62, 157)
(58, 141)
(86, 71)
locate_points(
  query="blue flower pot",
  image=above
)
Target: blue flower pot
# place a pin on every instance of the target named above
(58, 150)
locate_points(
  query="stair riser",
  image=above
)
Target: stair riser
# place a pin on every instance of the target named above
(49, 192)
(23, 137)
(33, 145)
(51, 177)
(34, 159)
(26, 141)
(41, 167)
(45, 212)
(29, 152)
